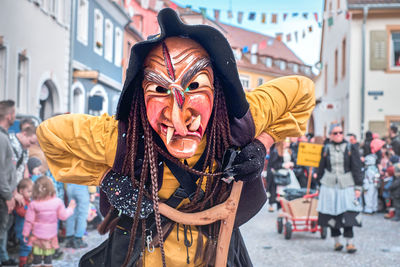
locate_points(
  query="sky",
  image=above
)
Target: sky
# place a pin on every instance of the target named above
(307, 49)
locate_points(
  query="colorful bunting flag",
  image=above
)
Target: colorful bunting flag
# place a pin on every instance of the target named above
(295, 14)
(288, 37)
(263, 18)
(203, 11)
(284, 16)
(274, 18)
(316, 16)
(330, 21)
(340, 11)
(230, 14)
(320, 24)
(216, 14)
(305, 15)
(304, 34)
(348, 15)
(252, 15)
(240, 17)
(245, 49)
(279, 36)
(295, 36)
(254, 48)
(310, 28)
(263, 44)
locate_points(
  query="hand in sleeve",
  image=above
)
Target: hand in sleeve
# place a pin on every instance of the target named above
(248, 163)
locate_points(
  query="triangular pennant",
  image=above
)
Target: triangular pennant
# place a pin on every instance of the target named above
(216, 14)
(245, 49)
(230, 14)
(330, 21)
(284, 16)
(310, 28)
(263, 18)
(173, 5)
(252, 15)
(203, 11)
(274, 18)
(348, 15)
(304, 34)
(254, 48)
(305, 15)
(240, 17)
(340, 11)
(295, 36)
(316, 16)
(279, 36)
(295, 14)
(320, 24)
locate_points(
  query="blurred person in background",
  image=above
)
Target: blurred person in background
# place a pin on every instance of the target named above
(340, 179)
(395, 139)
(395, 192)
(8, 180)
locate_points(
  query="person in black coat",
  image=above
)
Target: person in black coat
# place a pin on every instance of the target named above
(395, 192)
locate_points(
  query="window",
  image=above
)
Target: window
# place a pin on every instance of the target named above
(336, 66)
(282, 65)
(118, 47)
(295, 68)
(22, 77)
(253, 59)
(338, 4)
(83, 21)
(326, 79)
(3, 69)
(260, 81)
(245, 80)
(395, 50)
(98, 32)
(268, 62)
(344, 58)
(108, 41)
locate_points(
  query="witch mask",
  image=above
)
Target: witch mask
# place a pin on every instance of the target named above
(179, 94)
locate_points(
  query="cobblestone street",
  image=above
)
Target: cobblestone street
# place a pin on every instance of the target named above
(378, 244)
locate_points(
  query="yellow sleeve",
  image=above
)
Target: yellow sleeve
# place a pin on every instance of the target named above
(282, 107)
(79, 148)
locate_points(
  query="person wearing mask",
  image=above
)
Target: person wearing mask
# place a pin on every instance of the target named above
(8, 181)
(340, 179)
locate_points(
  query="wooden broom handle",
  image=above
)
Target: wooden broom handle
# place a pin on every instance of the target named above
(226, 212)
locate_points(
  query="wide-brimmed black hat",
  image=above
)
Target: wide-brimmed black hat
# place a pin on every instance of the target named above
(213, 42)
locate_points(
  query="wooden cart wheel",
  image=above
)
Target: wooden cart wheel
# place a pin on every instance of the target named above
(288, 230)
(279, 225)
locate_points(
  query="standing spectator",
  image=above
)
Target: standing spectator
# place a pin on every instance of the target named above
(8, 181)
(395, 139)
(366, 147)
(20, 143)
(25, 189)
(76, 224)
(41, 221)
(352, 138)
(274, 163)
(395, 192)
(370, 184)
(339, 174)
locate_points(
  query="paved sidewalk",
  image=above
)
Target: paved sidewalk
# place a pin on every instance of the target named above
(378, 243)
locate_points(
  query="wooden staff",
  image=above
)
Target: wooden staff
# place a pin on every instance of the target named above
(226, 212)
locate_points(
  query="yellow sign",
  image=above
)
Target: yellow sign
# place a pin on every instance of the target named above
(309, 154)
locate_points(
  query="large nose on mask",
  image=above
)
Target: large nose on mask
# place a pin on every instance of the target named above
(178, 116)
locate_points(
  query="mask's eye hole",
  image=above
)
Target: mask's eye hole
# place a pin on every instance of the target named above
(193, 86)
(160, 89)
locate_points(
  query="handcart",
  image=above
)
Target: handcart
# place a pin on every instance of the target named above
(299, 215)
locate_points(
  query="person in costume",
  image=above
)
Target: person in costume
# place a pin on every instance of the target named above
(182, 107)
(340, 177)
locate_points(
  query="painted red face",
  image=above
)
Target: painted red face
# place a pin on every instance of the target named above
(179, 95)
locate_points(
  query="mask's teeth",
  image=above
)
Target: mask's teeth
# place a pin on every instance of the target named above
(170, 133)
(194, 126)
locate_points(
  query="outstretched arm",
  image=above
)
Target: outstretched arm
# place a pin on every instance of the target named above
(79, 148)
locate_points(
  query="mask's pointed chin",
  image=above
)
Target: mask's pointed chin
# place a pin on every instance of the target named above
(182, 148)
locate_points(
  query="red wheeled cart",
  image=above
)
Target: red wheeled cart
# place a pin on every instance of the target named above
(299, 215)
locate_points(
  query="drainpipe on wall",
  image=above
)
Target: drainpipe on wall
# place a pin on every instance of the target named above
(71, 54)
(365, 13)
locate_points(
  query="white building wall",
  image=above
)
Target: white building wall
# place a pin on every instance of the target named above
(25, 26)
(376, 108)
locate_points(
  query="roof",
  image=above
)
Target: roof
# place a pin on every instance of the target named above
(365, 2)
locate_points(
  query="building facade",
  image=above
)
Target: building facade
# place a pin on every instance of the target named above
(97, 57)
(34, 55)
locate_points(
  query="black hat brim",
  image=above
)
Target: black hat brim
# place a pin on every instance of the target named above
(213, 41)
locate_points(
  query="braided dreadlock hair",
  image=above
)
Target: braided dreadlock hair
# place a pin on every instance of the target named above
(218, 140)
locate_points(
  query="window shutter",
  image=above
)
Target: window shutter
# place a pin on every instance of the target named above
(378, 53)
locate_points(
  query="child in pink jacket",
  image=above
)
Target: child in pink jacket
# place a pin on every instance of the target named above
(41, 219)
